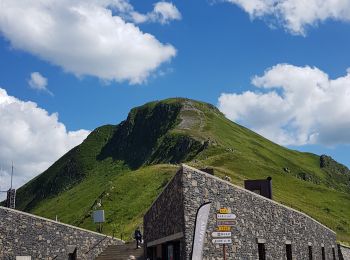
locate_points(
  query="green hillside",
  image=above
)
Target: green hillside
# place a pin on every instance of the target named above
(126, 166)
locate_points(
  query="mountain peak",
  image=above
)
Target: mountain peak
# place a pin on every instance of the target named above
(128, 164)
(184, 103)
(159, 132)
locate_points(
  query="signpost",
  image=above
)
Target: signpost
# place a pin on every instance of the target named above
(224, 228)
(222, 241)
(228, 223)
(221, 234)
(224, 211)
(99, 217)
(226, 216)
(224, 221)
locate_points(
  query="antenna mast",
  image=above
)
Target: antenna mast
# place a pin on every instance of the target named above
(11, 194)
(11, 175)
(1, 175)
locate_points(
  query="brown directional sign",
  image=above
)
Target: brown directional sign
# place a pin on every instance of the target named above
(230, 223)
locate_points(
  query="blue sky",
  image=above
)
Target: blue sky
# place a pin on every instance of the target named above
(208, 50)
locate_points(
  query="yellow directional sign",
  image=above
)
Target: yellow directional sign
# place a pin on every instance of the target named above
(224, 211)
(224, 228)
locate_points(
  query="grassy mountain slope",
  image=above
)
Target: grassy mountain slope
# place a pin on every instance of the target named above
(126, 166)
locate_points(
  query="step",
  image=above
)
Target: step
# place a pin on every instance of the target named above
(121, 252)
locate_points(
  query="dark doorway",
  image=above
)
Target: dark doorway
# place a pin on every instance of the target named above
(289, 251)
(73, 255)
(323, 254)
(310, 252)
(262, 251)
(151, 252)
(172, 250)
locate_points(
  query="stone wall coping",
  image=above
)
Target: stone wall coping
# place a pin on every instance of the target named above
(58, 223)
(342, 245)
(254, 194)
(261, 241)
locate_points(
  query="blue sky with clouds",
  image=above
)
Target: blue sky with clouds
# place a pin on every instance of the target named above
(279, 69)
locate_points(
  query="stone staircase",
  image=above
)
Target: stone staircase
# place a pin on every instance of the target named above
(121, 252)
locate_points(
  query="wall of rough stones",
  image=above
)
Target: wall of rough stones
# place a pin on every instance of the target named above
(345, 252)
(23, 234)
(257, 218)
(165, 217)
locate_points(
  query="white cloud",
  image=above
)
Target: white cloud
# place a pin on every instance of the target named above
(296, 106)
(85, 37)
(165, 12)
(296, 15)
(31, 138)
(38, 82)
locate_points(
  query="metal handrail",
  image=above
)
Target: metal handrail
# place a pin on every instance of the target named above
(95, 245)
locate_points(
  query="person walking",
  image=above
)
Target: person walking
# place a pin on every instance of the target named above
(138, 237)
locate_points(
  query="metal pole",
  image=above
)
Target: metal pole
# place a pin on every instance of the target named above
(0, 177)
(11, 175)
(224, 251)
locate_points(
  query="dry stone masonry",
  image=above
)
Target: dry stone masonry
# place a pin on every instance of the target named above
(344, 252)
(23, 234)
(164, 215)
(258, 220)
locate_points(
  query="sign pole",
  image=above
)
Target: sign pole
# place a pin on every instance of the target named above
(224, 251)
(224, 221)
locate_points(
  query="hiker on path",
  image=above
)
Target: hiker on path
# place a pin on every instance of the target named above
(138, 237)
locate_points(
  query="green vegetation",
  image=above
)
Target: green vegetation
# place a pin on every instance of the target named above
(126, 167)
(125, 197)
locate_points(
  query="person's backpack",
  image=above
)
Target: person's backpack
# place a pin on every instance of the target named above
(137, 234)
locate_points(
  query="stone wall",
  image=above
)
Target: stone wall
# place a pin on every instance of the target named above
(23, 234)
(165, 217)
(257, 218)
(345, 252)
